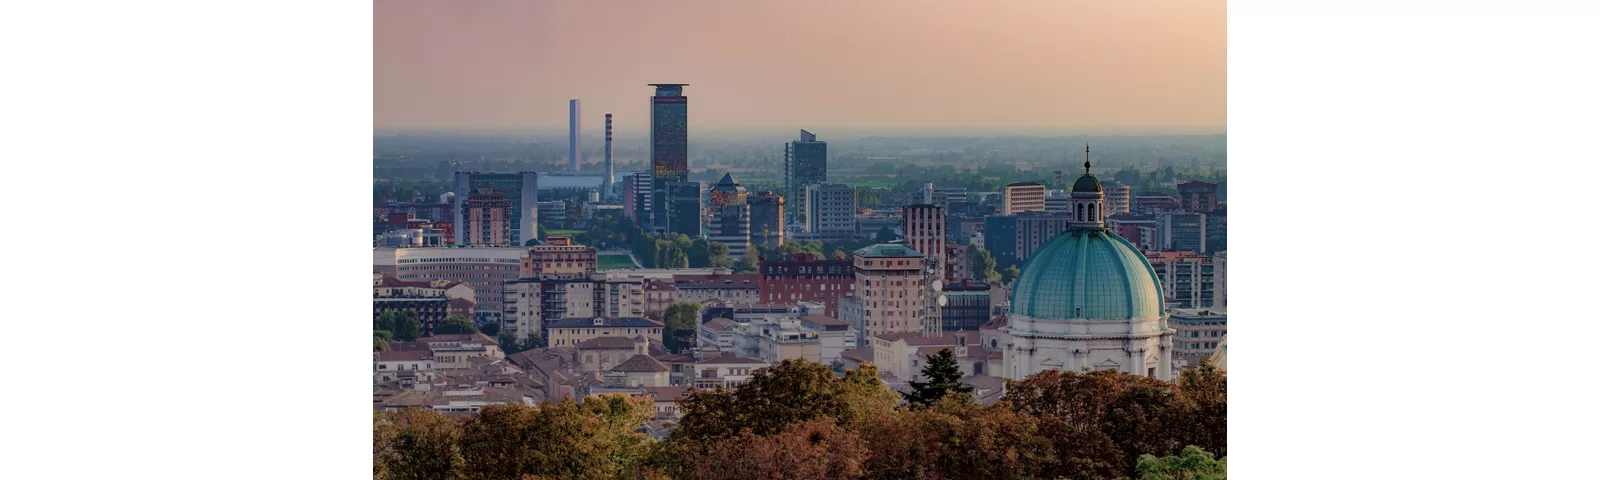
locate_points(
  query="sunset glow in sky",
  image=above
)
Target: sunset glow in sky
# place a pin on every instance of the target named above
(1147, 64)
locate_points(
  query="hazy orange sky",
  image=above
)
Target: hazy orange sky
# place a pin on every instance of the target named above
(821, 63)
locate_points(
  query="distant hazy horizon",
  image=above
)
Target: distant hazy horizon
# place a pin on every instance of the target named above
(931, 66)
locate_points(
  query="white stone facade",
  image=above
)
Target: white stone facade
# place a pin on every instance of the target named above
(1139, 347)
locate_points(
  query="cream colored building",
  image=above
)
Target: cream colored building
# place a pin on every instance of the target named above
(1022, 197)
(775, 340)
(890, 288)
(905, 354)
(453, 351)
(571, 331)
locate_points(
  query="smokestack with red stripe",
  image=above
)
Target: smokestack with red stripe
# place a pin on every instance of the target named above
(607, 185)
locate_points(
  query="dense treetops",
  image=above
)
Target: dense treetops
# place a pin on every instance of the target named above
(799, 420)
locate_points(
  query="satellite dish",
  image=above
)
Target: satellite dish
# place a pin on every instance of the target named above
(943, 300)
(938, 285)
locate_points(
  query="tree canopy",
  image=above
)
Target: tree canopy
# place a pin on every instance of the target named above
(403, 325)
(982, 265)
(944, 378)
(682, 325)
(455, 325)
(798, 419)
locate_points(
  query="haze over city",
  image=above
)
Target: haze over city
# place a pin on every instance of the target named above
(1024, 66)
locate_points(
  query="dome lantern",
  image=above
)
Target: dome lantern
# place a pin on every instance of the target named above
(1088, 199)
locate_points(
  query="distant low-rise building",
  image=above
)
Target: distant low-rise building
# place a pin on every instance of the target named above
(1188, 280)
(455, 351)
(967, 306)
(805, 277)
(572, 331)
(386, 365)
(1022, 197)
(740, 288)
(1199, 333)
(723, 369)
(903, 355)
(1011, 239)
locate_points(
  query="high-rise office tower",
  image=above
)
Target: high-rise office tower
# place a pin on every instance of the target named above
(521, 189)
(730, 217)
(573, 132)
(488, 219)
(1118, 198)
(923, 226)
(1198, 196)
(766, 219)
(636, 198)
(805, 163)
(608, 188)
(684, 208)
(831, 210)
(669, 148)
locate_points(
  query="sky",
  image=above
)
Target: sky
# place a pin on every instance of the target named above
(1073, 65)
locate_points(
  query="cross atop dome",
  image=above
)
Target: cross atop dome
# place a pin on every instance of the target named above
(1085, 159)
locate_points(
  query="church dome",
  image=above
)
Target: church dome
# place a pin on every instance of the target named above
(1087, 183)
(1087, 274)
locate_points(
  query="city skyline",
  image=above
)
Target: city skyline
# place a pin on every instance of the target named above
(1155, 66)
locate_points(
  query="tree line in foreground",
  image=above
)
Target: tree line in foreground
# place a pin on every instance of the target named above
(800, 420)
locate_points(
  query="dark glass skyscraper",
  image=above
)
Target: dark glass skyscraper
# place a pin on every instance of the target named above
(684, 209)
(805, 163)
(669, 147)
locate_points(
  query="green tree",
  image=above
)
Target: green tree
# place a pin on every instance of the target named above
(699, 252)
(455, 325)
(379, 344)
(682, 324)
(1009, 274)
(885, 235)
(386, 322)
(867, 198)
(982, 265)
(407, 325)
(748, 263)
(492, 329)
(717, 255)
(673, 257)
(944, 378)
(1193, 463)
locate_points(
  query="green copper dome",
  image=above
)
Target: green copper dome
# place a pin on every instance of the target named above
(1087, 274)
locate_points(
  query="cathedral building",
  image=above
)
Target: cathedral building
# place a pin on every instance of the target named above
(1087, 300)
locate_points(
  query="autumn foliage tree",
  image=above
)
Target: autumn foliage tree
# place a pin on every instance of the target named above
(815, 449)
(799, 419)
(567, 440)
(416, 444)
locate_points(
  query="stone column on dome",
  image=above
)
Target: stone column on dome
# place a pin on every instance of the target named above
(1136, 361)
(1164, 356)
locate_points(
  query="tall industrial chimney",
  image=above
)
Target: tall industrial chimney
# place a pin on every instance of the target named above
(574, 130)
(609, 174)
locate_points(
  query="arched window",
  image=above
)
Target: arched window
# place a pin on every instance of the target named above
(1091, 212)
(1080, 212)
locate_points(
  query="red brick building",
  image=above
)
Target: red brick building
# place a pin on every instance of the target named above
(804, 277)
